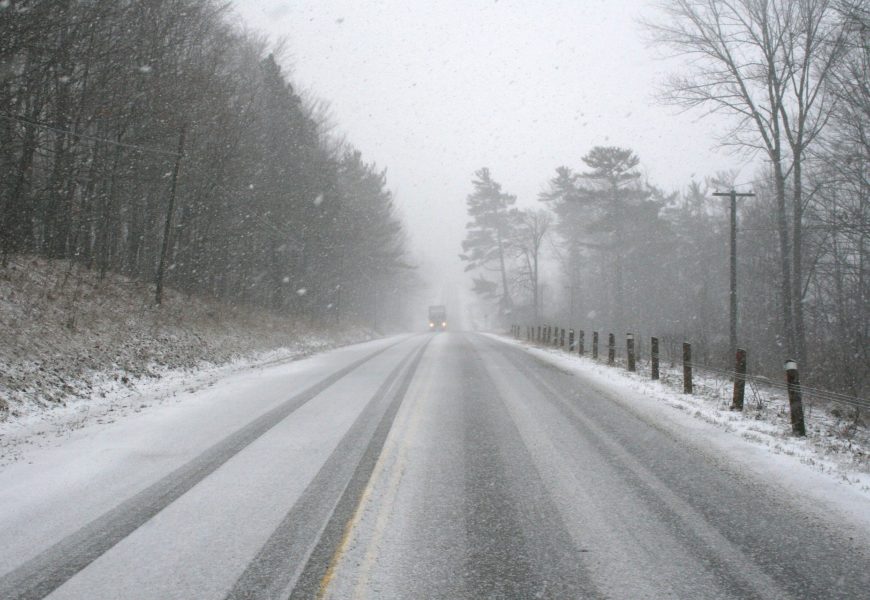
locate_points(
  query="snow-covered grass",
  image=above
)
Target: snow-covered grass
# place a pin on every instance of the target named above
(76, 349)
(831, 462)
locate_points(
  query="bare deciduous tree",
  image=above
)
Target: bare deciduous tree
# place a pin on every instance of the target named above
(767, 64)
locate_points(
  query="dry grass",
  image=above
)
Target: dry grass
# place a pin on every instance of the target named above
(62, 330)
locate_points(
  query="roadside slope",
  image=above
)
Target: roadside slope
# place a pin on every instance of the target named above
(72, 343)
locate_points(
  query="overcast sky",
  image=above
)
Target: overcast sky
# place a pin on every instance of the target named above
(435, 90)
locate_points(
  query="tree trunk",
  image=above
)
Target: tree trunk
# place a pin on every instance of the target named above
(506, 297)
(167, 229)
(619, 285)
(785, 262)
(18, 223)
(797, 266)
(535, 284)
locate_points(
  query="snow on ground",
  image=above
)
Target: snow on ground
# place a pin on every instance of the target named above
(71, 480)
(76, 349)
(830, 466)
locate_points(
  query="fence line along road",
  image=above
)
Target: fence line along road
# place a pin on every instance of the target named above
(573, 341)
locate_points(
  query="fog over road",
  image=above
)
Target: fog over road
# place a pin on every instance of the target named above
(446, 465)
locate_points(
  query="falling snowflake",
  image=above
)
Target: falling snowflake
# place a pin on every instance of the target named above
(318, 200)
(145, 69)
(301, 291)
(286, 280)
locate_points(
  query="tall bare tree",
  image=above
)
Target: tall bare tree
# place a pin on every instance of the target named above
(531, 231)
(767, 64)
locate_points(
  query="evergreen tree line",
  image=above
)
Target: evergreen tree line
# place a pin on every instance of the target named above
(622, 255)
(157, 139)
(634, 258)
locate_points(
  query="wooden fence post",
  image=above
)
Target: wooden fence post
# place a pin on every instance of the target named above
(562, 338)
(611, 348)
(629, 345)
(795, 402)
(595, 345)
(570, 340)
(580, 341)
(687, 368)
(739, 379)
(654, 357)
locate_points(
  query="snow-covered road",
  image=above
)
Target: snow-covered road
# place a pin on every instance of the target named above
(427, 466)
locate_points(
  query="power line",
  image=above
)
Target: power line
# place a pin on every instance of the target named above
(87, 137)
(744, 183)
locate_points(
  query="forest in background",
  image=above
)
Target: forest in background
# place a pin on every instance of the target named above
(792, 77)
(161, 141)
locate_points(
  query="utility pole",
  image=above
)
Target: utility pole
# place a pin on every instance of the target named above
(570, 289)
(167, 227)
(543, 285)
(733, 294)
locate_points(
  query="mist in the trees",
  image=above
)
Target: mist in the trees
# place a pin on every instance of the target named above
(531, 175)
(258, 206)
(625, 255)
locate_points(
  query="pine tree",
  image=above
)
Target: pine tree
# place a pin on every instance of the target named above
(492, 226)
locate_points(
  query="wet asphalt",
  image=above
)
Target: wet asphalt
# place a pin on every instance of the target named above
(477, 471)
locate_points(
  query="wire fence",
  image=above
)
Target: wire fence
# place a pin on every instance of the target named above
(670, 362)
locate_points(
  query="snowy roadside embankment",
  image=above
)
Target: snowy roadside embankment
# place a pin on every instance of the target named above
(76, 349)
(829, 466)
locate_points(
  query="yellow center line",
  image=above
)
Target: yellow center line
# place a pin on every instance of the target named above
(390, 449)
(389, 497)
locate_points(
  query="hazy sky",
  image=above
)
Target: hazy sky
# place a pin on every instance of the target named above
(435, 90)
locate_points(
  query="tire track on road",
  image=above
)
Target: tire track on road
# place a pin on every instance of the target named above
(738, 575)
(302, 549)
(50, 569)
(315, 576)
(518, 543)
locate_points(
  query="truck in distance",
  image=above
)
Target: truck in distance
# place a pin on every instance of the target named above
(437, 318)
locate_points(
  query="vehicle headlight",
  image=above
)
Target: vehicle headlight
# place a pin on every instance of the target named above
(444, 324)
